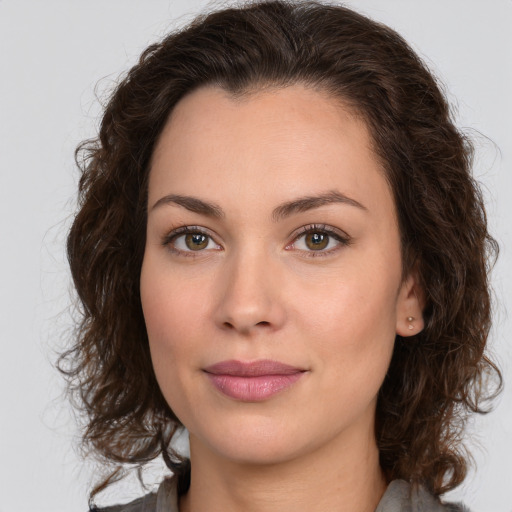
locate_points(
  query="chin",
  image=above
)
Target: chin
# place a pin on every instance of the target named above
(258, 443)
(258, 453)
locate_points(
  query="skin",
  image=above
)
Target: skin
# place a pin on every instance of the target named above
(258, 290)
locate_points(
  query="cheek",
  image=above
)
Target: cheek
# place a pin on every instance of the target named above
(171, 304)
(356, 300)
(352, 318)
(167, 314)
(353, 353)
(172, 314)
(358, 335)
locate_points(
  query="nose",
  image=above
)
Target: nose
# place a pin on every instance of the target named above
(250, 298)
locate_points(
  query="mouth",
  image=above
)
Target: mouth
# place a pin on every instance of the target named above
(252, 381)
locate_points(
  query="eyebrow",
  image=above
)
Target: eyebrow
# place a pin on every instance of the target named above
(193, 204)
(306, 203)
(302, 204)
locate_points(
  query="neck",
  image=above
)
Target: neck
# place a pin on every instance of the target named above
(344, 476)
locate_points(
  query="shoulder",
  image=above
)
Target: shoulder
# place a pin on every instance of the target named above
(165, 499)
(401, 496)
(145, 504)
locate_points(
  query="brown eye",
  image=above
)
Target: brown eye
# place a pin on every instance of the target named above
(319, 240)
(190, 241)
(316, 241)
(196, 241)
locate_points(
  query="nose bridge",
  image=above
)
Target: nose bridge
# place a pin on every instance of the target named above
(250, 298)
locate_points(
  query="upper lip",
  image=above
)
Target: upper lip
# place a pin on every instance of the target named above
(252, 369)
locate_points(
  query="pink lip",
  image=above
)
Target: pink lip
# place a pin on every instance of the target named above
(252, 382)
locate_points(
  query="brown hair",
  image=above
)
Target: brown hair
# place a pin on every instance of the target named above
(436, 379)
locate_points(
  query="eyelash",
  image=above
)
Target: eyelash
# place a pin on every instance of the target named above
(168, 239)
(343, 239)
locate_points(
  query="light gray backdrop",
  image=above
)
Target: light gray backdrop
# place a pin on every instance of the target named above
(52, 54)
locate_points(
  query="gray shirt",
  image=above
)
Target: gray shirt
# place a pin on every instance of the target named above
(400, 496)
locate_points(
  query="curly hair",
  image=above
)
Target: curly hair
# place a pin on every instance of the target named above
(433, 383)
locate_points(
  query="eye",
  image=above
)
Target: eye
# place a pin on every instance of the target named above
(319, 240)
(188, 240)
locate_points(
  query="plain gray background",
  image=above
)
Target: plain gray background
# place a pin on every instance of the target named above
(52, 55)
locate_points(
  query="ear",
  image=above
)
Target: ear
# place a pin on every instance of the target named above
(410, 304)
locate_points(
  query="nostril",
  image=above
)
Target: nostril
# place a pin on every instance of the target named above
(231, 326)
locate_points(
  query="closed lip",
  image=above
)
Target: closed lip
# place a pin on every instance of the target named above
(253, 368)
(254, 381)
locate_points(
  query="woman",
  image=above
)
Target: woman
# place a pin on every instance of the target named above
(280, 247)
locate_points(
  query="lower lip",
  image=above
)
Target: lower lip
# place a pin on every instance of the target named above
(253, 389)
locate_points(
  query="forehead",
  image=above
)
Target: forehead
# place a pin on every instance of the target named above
(272, 144)
(298, 115)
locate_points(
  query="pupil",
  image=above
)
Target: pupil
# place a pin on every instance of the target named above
(317, 241)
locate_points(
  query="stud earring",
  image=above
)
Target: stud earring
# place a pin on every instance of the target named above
(410, 319)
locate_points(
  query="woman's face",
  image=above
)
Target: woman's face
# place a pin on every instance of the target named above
(271, 283)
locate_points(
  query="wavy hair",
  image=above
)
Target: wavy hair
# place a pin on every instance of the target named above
(437, 378)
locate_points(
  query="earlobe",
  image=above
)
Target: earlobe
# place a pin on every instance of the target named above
(410, 306)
